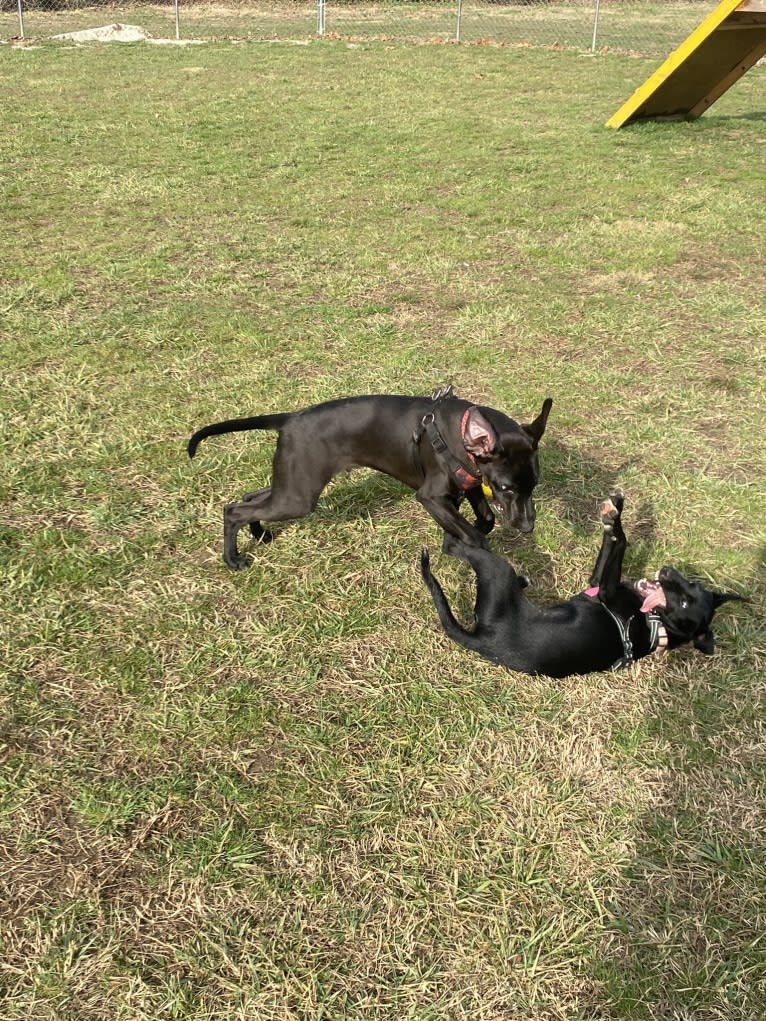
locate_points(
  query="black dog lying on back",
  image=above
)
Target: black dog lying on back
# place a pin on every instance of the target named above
(608, 626)
(443, 447)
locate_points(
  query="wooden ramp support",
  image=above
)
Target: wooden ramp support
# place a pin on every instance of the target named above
(718, 52)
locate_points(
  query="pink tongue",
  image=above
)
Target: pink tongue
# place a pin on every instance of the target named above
(656, 597)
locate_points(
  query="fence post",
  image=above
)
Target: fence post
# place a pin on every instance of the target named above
(20, 6)
(595, 26)
(178, 20)
(459, 19)
(320, 17)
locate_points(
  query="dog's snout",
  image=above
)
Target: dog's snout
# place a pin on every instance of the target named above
(524, 520)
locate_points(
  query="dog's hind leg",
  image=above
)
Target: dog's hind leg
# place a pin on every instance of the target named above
(496, 581)
(287, 498)
(263, 506)
(258, 532)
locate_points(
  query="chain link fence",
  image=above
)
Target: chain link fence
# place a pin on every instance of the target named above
(647, 27)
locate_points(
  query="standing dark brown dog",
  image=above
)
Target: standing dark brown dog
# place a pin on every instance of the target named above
(442, 447)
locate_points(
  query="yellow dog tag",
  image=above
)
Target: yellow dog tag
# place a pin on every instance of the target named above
(486, 490)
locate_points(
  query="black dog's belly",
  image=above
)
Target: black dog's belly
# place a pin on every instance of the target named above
(576, 637)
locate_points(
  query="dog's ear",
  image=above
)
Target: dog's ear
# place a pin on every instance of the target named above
(536, 429)
(479, 438)
(705, 642)
(719, 598)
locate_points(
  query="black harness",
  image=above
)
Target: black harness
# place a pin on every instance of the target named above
(658, 636)
(466, 475)
(623, 626)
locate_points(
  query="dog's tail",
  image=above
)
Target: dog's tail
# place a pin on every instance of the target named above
(236, 425)
(455, 630)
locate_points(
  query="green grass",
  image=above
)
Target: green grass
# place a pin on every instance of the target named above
(283, 794)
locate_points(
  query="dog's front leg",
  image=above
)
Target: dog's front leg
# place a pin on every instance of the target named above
(443, 509)
(608, 569)
(485, 519)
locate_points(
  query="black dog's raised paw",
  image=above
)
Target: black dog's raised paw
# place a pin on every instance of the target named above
(611, 508)
(485, 525)
(617, 496)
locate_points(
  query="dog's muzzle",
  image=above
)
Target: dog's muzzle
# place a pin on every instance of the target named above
(523, 517)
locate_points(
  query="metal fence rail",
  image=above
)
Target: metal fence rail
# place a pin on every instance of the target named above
(650, 27)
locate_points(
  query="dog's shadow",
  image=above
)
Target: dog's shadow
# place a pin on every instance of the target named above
(699, 827)
(574, 483)
(363, 493)
(349, 496)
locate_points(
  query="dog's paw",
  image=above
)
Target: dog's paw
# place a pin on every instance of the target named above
(617, 498)
(485, 525)
(237, 563)
(611, 508)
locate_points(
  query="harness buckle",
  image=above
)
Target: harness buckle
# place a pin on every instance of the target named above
(442, 392)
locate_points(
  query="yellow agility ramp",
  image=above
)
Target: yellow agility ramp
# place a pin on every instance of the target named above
(717, 53)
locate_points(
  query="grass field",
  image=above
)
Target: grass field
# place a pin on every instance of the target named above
(283, 794)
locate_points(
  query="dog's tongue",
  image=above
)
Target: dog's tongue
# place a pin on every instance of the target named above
(653, 595)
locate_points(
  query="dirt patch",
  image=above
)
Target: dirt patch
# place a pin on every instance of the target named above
(118, 33)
